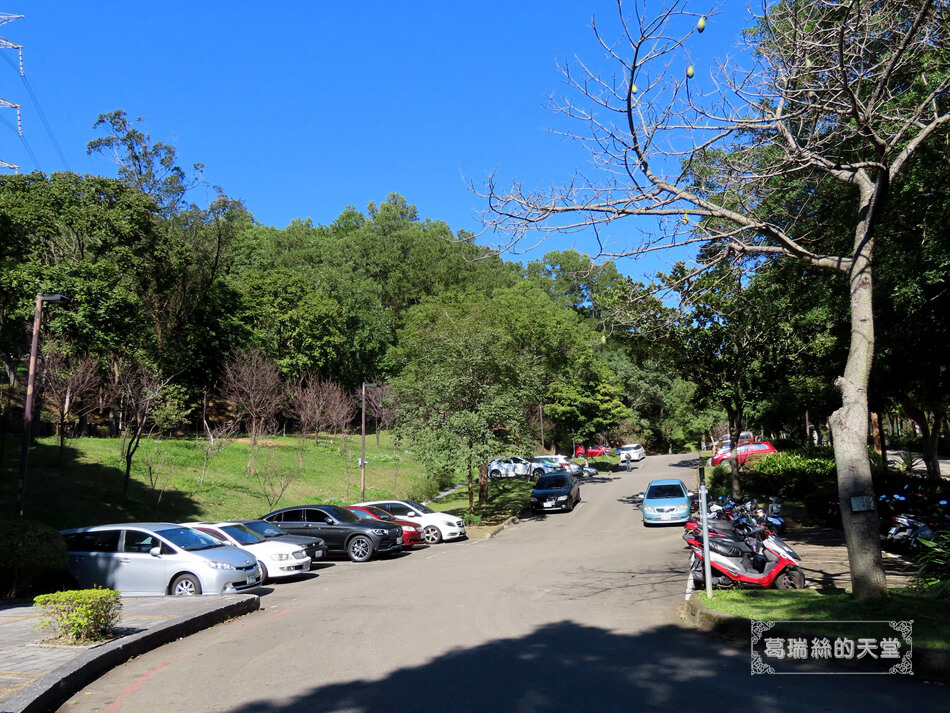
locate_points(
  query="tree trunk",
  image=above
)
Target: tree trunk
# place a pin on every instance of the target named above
(849, 427)
(929, 435)
(483, 484)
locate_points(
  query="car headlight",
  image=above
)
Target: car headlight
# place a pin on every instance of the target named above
(534, 499)
(409, 528)
(682, 508)
(560, 498)
(649, 510)
(213, 564)
(381, 532)
(280, 556)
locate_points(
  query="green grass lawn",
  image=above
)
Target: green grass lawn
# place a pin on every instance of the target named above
(171, 480)
(931, 616)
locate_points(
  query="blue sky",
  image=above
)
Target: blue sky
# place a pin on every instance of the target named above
(301, 109)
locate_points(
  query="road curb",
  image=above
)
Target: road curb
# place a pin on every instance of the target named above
(52, 690)
(929, 664)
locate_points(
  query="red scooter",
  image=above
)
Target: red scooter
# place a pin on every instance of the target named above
(748, 563)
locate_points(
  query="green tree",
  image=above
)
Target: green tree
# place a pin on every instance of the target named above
(839, 93)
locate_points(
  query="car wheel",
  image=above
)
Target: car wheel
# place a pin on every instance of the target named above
(495, 474)
(263, 571)
(570, 505)
(186, 585)
(538, 472)
(360, 549)
(432, 535)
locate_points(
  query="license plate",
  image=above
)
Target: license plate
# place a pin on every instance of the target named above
(549, 504)
(318, 554)
(252, 580)
(666, 516)
(398, 540)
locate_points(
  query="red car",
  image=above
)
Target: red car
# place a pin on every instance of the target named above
(592, 451)
(754, 450)
(411, 532)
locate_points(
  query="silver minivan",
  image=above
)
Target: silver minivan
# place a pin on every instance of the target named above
(157, 558)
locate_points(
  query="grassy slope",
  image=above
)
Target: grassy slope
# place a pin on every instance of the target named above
(85, 488)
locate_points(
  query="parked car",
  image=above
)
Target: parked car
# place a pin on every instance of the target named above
(343, 531)
(157, 558)
(636, 451)
(436, 526)
(556, 491)
(665, 501)
(591, 451)
(276, 559)
(315, 548)
(509, 467)
(552, 464)
(746, 452)
(411, 531)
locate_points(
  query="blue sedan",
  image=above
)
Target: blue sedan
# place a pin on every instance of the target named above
(665, 501)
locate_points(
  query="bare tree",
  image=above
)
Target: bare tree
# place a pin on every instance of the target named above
(312, 402)
(272, 478)
(835, 93)
(251, 382)
(143, 400)
(70, 383)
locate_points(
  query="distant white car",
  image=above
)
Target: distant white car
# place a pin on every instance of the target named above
(276, 559)
(436, 526)
(509, 467)
(635, 450)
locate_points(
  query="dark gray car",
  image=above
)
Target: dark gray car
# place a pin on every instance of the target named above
(344, 532)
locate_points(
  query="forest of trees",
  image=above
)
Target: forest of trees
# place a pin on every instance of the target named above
(187, 319)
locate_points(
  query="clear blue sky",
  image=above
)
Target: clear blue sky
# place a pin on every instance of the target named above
(303, 108)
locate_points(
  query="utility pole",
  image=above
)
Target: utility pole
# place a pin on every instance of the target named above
(4, 104)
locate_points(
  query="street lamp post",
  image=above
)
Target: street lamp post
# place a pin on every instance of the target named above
(363, 436)
(28, 403)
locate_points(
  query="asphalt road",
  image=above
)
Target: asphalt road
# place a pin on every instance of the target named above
(566, 612)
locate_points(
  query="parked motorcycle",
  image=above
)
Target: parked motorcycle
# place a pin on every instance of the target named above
(748, 563)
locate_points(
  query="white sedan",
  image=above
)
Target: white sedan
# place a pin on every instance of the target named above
(436, 526)
(276, 559)
(509, 467)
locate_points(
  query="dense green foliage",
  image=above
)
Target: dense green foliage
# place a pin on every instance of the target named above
(29, 550)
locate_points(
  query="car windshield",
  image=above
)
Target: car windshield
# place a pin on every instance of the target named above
(343, 514)
(264, 529)
(669, 490)
(378, 512)
(243, 535)
(190, 540)
(420, 508)
(549, 482)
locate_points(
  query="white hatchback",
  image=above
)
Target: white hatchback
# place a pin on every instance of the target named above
(635, 451)
(276, 559)
(436, 526)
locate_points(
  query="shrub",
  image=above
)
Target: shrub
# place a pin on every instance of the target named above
(82, 615)
(933, 573)
(793, 472)
(473, 519)
(29, 549)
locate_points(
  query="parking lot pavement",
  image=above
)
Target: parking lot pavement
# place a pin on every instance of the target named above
(35, 676)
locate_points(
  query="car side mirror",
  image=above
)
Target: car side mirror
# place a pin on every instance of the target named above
(155, 551)
(690, 494)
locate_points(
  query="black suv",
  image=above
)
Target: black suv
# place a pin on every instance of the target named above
(342, 530)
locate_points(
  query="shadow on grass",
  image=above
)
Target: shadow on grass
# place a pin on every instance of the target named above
(68, 493)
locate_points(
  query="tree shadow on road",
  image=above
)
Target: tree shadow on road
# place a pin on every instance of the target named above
(566, 666)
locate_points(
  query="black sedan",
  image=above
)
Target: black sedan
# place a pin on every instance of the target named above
(343, 531)
(315, 548)
(556, 491)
